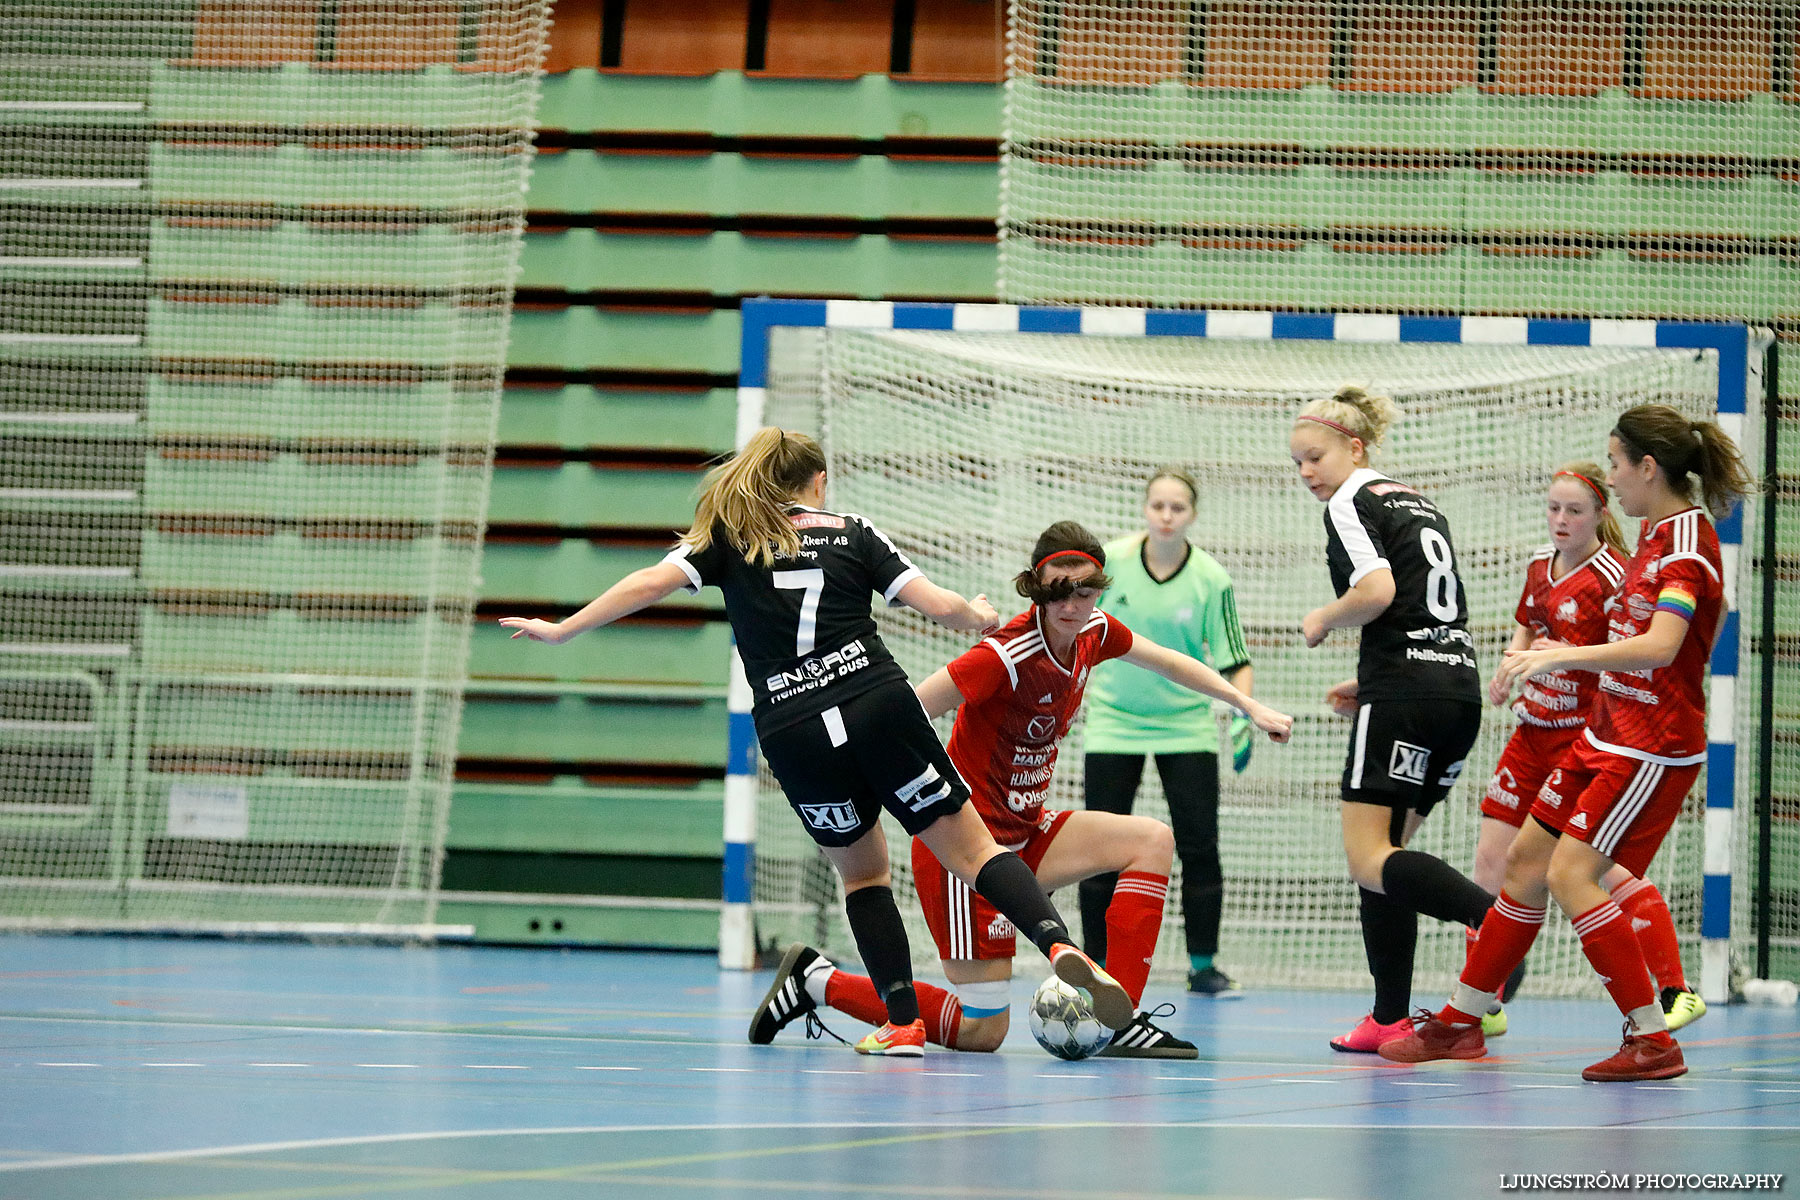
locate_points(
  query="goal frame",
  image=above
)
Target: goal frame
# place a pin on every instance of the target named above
(1738, 349)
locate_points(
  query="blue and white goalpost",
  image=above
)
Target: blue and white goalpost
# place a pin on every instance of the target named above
(1729, 355)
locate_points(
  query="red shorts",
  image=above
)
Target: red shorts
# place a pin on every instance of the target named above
(1621, 806)
(963, 924)
(1531, 754)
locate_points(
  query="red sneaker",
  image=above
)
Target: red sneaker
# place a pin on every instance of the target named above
(1367, 1037)
(1112, 1003)
(1638, 1058)
(1431, 1039)
(895, 1041)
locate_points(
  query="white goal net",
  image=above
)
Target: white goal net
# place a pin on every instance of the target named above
(963, 446)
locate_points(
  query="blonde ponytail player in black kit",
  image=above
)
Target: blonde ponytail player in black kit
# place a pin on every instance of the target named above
(838, 724)
(1416, 698)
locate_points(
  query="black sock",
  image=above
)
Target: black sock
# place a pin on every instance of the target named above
(1008, 884)
(881, 940)
(1432, 886)
(1390, 932)
(1096, 897)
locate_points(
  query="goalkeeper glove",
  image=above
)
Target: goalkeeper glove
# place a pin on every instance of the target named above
(1243, 740)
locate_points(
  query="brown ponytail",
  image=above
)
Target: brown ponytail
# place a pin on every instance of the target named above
(748, 495)
(1687, 450)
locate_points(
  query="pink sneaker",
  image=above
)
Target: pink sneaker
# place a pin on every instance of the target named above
(1368, 1036)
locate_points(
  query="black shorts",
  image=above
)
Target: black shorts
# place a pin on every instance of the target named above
(875, 751)
(1405, 754)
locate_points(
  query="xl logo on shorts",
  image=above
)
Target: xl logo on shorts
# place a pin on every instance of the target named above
(1408, 762)
(833, 818)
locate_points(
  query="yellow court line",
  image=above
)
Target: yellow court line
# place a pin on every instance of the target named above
(976, 1190)
(476, 1178)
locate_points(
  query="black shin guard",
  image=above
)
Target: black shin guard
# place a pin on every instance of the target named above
(1008, 884)
(881, 940)
(1390, 932)
(1431, 886)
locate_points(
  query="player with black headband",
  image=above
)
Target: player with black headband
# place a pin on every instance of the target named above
(1015, 695)
(838, 725)
(1416, 698)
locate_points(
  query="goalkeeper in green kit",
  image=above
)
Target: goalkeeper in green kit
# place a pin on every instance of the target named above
(1179, 596)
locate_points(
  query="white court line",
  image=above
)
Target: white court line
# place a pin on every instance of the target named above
(816, 1071)
(93, 1160)
(1779, 1091)
(726, 1070)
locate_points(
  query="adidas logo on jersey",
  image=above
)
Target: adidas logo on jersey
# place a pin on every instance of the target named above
(1568, 610)
(1579, 821)
(1045, 698)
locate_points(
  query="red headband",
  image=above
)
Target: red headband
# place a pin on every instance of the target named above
(1062, 553)
(1592, 486)
(1345, 430)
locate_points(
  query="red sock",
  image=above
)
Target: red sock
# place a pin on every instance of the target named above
(1612, 948)
(1506, 935)
(855, 994)
(1133, 921)
(1470, 937)
(1655, 930)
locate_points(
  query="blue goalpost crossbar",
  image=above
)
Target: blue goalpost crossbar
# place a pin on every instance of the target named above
(1738, 355)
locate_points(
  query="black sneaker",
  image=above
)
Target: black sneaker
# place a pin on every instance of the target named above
(787, 997)
(1144, 1039)
(1213, 982)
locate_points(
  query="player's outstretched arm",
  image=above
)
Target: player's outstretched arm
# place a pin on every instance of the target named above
(938, 693)
(1499, 689)
(948, 608)
(1655, 647)
(640, 589)
(1365, 600)
(1196, 676)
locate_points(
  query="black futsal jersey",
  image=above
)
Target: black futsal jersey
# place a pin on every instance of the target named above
(1419, 649)
(803, 626)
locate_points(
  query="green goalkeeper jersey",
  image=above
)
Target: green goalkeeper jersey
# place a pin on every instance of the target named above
(1134, 711)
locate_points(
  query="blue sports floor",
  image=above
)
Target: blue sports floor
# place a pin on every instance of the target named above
(142, 1067)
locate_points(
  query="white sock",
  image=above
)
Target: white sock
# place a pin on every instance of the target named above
(1648, 1019)
(817, 976)
(1464, 998)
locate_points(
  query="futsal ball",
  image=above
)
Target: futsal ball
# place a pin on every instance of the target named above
(1063, 1022)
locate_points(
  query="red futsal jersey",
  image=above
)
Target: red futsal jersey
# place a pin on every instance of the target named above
(1659, 715)
(1573, 610)
(1017, 704)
